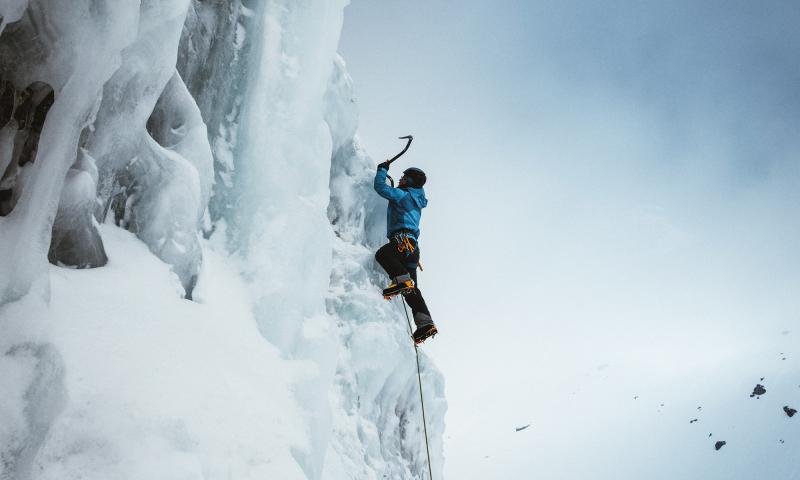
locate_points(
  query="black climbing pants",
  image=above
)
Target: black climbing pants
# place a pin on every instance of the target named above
(398, 259)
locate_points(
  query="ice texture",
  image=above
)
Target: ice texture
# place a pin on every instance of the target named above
(215, 57)
(74, 49)
(280, 224)
(11, 11)
(129, 131)
(378, 430)
(156, 183)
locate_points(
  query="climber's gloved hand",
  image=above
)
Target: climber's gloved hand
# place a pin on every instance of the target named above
(384, 165)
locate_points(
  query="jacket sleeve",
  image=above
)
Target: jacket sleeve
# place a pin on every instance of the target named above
(392, 194)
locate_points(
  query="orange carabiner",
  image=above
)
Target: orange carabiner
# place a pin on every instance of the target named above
(409, 245)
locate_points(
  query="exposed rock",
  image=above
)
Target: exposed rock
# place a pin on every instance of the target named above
(76, 241)
(758, 391)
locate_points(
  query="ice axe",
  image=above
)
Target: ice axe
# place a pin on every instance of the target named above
(410, 138)
(408, 144)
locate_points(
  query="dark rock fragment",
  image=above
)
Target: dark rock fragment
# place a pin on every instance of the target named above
(789, 411)
(719, 444)
(7, 102)
(758, 390)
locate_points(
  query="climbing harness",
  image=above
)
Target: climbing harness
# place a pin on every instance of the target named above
(403, 242)
(421, 398)
(405, 245)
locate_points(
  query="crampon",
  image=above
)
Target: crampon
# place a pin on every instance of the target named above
(398, 288)
(425, 332)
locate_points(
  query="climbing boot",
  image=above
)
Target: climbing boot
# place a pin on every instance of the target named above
(424, 332)
(400, 284)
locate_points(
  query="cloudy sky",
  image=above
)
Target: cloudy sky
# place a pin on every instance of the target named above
(613, 214)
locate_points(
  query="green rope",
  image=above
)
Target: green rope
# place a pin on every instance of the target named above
(421, 398)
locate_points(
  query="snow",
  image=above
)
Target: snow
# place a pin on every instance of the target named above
(154, 386)
(627, 415)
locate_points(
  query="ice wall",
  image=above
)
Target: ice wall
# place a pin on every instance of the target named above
(107, 65)
(217, 52)
(177, 120)
(151, 146)
(377, 417)
(279, 225)
(286, 151)
(52, 43)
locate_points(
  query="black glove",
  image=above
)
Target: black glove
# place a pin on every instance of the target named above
(384, 165)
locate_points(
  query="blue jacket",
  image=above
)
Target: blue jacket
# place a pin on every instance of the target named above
(405, 205)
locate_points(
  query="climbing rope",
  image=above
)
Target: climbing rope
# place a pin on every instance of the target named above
(421, 398)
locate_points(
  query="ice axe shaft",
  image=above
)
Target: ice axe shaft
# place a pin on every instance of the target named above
(410, 138)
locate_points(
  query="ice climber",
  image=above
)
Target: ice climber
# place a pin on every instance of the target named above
(400, 257)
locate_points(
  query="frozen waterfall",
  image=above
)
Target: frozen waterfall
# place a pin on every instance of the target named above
(187, 228)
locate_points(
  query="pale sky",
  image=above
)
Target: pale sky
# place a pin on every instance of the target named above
(612, 188)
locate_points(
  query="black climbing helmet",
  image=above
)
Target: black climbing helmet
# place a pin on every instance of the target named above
(416, 177)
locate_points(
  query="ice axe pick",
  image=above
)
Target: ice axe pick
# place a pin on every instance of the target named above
(409, 138)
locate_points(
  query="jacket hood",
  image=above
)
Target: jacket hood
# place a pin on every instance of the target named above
(418, 194)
